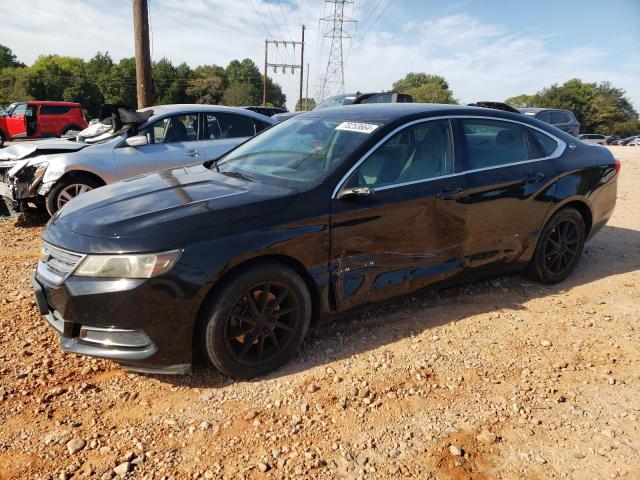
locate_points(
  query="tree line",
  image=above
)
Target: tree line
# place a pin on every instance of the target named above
(600, 107)
(101, 80)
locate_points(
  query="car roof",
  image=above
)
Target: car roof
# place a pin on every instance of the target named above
(193, 107)
(51, 103)
(387, 112)
(537, 109)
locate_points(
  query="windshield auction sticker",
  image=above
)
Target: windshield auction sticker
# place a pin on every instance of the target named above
(357, 127)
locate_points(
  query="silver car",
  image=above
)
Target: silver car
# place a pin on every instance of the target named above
(593, 138)
(49, 173)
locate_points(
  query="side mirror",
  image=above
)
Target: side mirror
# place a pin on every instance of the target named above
(137, 141)
(355, 192)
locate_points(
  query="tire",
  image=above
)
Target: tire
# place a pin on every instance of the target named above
(246, 332)
(2, 139)
(72, 185)
(559, 247)
(72, 128)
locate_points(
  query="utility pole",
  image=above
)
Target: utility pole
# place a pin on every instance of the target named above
(301, 65)
(306, 96)
(283, 66)
(264, 86)
(144, 85)
(334, 73)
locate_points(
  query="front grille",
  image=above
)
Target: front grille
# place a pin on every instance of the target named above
(57, 264)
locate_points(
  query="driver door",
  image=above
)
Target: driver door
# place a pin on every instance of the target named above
(174, 141)
(17, 122)
(404, 229)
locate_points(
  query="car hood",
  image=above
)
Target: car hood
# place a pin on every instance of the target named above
(167, 204)
(21, 150)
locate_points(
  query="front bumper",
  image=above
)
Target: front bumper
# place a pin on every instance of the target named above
(136, 323)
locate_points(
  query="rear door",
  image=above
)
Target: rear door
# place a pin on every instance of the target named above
(408, 231)
(223, 131)
(507, 180)
(174, 141)
(16, 123)
(48, 119)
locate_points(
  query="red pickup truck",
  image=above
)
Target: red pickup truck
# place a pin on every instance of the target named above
(39, 119)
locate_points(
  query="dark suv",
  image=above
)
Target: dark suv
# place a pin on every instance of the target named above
(565, 120)
(352, 99)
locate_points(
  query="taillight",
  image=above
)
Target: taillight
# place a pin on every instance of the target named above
(617, 166)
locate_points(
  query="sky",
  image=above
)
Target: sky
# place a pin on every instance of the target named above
(486, 49)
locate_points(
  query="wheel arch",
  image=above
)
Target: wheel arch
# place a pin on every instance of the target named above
(70, 126)
(291, 262)
(581, 206)
(73, 173)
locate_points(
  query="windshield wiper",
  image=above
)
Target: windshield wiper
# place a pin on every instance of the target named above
(237, 175)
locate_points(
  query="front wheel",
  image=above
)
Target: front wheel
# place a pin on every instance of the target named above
(256, 321)
(69, 188)
(1, 139)
(559, 247)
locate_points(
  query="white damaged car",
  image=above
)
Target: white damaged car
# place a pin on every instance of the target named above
(124, 144)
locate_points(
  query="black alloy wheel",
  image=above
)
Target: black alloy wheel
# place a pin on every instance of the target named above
(262, 323)
(559, 247)
(256, 320)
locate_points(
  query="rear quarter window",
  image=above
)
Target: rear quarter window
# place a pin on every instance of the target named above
(54, 110)
(540, 144)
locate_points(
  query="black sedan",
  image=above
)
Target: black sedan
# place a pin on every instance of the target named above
(328, 211)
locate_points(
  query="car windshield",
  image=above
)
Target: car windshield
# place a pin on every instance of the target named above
(337, 101)
(9, 109)
(298, 152)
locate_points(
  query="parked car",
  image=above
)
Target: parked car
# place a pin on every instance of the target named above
(634, 143)
(50, 173)
(593, 138)
(328, 211)
(611, 139)
(352, 99)
(626, 140)
(565, 120)
(37, 119)
(268, 111)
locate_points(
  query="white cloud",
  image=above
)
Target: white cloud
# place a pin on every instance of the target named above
(480, 60)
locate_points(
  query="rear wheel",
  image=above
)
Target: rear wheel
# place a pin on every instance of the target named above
(69, 188)
(559, 247)
(256, 321)
(1, 139)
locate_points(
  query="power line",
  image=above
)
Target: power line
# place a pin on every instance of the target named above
(266, 29)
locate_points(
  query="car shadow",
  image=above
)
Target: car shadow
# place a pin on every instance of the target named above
(612, 251)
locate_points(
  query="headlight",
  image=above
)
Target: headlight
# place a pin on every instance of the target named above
(144, 265)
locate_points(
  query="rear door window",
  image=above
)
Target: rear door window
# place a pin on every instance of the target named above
(54, 110)
(545, 117)
(492, 143)
(228, 125)
(558, 118)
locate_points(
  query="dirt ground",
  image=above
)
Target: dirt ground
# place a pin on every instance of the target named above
(504, 378)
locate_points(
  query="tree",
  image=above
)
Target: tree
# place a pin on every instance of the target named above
(208, 84)
(8, 59)
(425, 88)
(521, 101)
(305, 104)
(13, 85)
(119, 85)
(275, 97)
(599, 107)
(238, 94)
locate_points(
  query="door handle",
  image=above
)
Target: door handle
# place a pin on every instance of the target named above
(533, 177)
(193, 153)
(449, 193)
